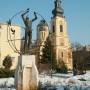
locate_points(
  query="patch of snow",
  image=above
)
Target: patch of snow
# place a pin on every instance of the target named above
(10, 82)
(66, 79)
(7, 83)
(60, 81)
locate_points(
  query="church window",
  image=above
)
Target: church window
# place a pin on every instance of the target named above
(69, 55)
(62, 44)
(61, 54)
(43, 35)
(61, 28)
(41, 28)
(0, 34)
(53, 28)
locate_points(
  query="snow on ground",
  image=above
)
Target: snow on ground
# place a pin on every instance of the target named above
(7, 82)
(63, 80)
(59, 80)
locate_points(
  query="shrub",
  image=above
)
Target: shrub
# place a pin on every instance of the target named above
(7, 62)
(5, 73)
(61, 67)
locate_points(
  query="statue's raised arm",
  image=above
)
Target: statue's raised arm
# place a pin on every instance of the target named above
(35, 18)
(24, 16)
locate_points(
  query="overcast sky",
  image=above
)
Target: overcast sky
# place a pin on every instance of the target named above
(77, 13)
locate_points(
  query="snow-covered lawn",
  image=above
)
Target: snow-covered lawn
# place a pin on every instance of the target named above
(61, 81)
(7, 84)
(64, 80)
(81, 82)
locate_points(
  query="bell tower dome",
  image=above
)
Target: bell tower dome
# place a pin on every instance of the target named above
(42, 31)
(58, 10)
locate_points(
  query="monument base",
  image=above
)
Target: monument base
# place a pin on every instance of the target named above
(26, 75)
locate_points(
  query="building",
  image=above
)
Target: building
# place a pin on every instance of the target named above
(58, 35)
(9, 42)
(42, 34)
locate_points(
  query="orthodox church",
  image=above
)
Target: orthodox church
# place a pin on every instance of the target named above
(58, 35)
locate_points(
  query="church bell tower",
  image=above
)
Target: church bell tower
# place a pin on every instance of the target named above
(59, 36)
(42, 34)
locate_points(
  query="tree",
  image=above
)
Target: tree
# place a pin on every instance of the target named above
(61, 67)
(49, 57)
(76, 46)
(79, 54)
(46, 52)
(53, 60)
(7, 62)
(6, 72)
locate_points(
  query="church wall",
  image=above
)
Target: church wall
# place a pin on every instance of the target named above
(60, 40)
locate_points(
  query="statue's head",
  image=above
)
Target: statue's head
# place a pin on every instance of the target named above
(27, 18)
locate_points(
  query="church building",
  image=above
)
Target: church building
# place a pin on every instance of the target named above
(58, 35)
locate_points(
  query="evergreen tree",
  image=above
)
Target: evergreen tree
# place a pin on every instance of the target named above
(49, 57)
(46, 52)
(61, 67)
(7, 62)
(53, 60)
(6, 72)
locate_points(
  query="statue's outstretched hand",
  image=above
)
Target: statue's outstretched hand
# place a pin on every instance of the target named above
(35, 13)
(27, 9)
(25, 12)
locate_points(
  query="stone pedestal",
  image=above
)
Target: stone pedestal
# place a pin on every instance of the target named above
(26, 75)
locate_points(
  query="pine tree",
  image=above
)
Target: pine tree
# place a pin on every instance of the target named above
(46, 52)
(53, 60)
(61, 67)
(48, 55)
(7, 62)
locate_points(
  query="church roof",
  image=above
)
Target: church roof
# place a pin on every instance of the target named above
(58, 10)
(43, 23)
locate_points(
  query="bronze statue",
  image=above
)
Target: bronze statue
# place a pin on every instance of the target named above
(28, 30)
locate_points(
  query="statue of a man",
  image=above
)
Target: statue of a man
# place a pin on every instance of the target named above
(28, 30)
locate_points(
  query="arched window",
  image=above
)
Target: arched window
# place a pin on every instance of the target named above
(53, 28)
(61, 28)
(69, 55)
(61, 54)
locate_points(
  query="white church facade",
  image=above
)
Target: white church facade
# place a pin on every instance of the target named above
(58, 35)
